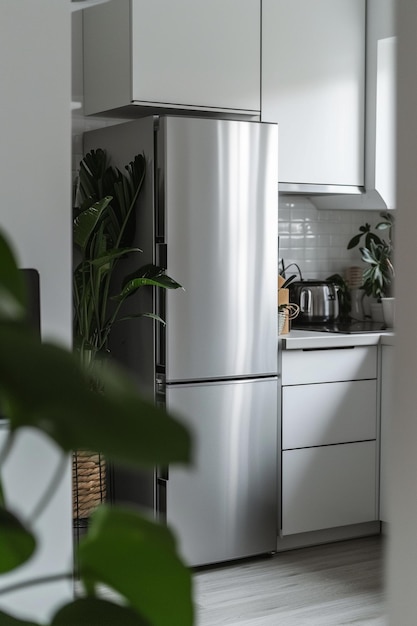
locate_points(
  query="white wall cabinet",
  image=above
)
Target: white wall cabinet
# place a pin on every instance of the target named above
(380, 115)
(313, 85)
(187, 54)
(329, 438)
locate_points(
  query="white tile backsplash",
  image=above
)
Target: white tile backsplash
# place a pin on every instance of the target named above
(316, 239)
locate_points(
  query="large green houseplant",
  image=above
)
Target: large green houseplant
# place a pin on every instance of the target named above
(104, 225)
(103, 230)
(45, 387)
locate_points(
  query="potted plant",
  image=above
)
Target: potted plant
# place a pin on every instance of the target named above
(377, 253)
(103, 230)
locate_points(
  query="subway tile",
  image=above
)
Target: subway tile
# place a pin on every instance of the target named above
(296, 229)
(318, 239)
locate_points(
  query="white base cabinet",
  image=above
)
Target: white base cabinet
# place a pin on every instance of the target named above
(329, 413)
(330, 438)
(328, 486)
(186, 54)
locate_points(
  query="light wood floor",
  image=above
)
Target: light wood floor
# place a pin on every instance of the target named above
(332, 585)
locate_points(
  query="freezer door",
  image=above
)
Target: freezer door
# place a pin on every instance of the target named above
(225, 506)
(220, 197)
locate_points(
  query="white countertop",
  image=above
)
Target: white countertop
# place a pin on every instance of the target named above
(302, 339)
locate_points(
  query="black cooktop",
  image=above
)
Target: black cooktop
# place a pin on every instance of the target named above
(348, 327)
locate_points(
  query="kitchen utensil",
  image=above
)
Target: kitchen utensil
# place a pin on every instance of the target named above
(317, 299)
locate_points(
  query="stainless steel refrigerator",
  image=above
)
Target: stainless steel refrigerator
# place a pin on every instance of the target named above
(209, 211)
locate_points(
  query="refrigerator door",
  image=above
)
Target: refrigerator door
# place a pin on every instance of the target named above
(220, 199)
(224, 506)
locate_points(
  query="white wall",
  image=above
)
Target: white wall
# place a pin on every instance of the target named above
(402, 572)
(35, 212)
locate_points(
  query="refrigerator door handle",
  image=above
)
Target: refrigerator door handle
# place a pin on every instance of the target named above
(160, 334)
(161, 495)
(161, 255)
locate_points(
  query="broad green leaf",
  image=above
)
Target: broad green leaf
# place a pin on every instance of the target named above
(8, 620)
(138, 558)
(17, 544)
(150, 274)
(111, 255)
(12, 287)
(371, 239)
(86, 222)
(166, 282)
(367, 256)
(151, 315)
(354, 242)
(96, 612)
(44, 387)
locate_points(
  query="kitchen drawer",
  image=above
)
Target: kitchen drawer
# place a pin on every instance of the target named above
(328, 486)
(327, 413)
(301, 367)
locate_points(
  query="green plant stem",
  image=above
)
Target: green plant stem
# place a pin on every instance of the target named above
(51, 488)
(42, 580)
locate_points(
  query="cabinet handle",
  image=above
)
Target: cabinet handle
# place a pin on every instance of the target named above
(329, 348)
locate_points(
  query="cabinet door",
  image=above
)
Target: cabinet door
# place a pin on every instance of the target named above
(300, 367)
(318, 415)
(224, 506)
(387, 378)
(313, 71)
(328, 486)
(197, 53)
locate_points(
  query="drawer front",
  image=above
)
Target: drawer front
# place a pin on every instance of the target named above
(319, 366)
(328, 413)
(328, 487)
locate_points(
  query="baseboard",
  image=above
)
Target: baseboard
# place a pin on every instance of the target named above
(329, 535)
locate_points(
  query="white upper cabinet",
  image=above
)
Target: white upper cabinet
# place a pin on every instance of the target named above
(313, 85)
(184, 54)
(380, 115)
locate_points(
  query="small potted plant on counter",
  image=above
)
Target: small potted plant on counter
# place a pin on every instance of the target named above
(377, 253)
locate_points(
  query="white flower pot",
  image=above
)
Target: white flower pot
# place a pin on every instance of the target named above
(377, 313)
(388, 308)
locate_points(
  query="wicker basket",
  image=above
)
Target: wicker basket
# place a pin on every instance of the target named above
(89, 483)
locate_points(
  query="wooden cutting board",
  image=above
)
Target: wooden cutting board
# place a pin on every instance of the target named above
(283, 298)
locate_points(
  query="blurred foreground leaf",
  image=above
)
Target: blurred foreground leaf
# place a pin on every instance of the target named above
(42, 385)
(138, 559)
(96, 612)
(16, 543)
